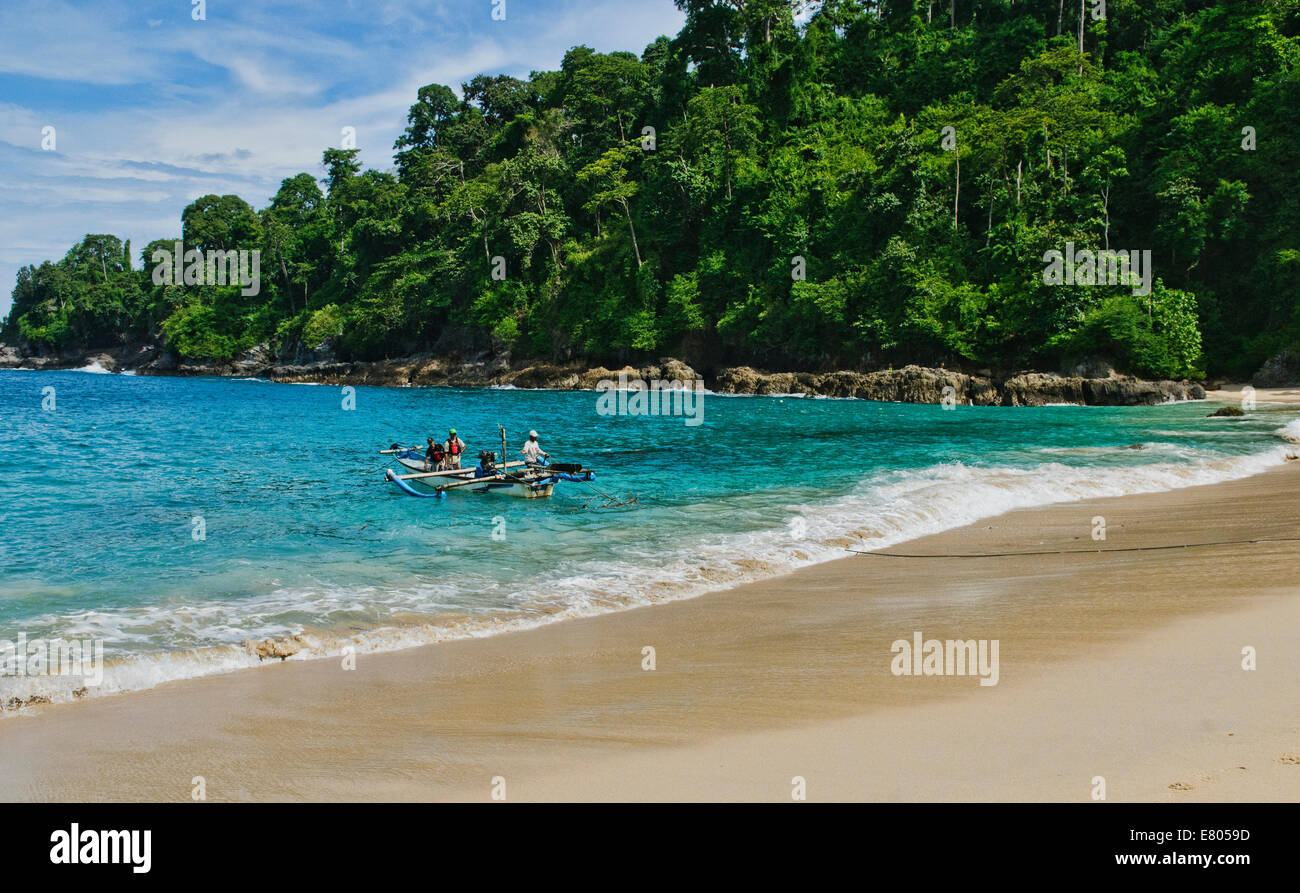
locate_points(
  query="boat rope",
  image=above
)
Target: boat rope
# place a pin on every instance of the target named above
(1283, 539)
(610, 501)
(377, 469)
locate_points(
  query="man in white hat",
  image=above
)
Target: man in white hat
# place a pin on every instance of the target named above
(532, 450)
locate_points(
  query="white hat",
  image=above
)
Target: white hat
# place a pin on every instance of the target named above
(532, 433)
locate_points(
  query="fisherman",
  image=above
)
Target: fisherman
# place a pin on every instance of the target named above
(533, 453)
(454, 447)
(435, 457)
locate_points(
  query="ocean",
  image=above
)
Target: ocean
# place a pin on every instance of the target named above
(177, 519)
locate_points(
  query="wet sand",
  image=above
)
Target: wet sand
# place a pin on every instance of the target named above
(1120, 665)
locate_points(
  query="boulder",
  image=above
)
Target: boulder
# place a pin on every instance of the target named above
(675, 370)
(103, 361)
(919, 384)
(543, 376)
(324, 353)
(166, 361)
(255, 360)
(1042, 388)
(429, 372)
(283, 647)
(590, 379)
(9, 357)
(746, 380)
(737, 380)
(1281, 371)
(324, 373)
(142, 355)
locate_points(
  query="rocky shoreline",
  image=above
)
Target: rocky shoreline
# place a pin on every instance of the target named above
(910, 384)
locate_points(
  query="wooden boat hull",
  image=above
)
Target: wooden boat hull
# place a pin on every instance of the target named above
(520, 489)
(413, 460)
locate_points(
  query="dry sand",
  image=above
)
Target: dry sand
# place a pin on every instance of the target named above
(1123, 665)
(1232, 393)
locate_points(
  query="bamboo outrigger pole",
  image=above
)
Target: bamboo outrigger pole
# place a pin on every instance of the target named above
(486, 479)
(448, 473)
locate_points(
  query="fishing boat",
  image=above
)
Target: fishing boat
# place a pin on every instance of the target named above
(518, 479)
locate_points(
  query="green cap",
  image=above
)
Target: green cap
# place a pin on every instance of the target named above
(452, 432)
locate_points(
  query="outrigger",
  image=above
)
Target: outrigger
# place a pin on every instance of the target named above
(490, 476)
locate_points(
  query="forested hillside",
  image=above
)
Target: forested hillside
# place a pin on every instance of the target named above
(788, 139)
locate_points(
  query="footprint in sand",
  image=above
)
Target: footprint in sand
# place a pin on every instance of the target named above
(1207, 778)
(1289, 759)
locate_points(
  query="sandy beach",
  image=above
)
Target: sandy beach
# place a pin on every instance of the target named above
(1233, 393)
(1123, 665)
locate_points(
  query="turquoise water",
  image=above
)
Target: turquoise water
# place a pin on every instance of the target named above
(302, 535)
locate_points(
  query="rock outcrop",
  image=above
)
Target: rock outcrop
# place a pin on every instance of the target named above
(918, 384)
(10, 358)
(284, 647)
(470, 364)
(1281, 371)
(117, 359)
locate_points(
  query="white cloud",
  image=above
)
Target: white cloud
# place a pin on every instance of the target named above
(57, 41)
(234, 105)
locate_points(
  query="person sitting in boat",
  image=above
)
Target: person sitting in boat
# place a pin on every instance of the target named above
(435, 457)
(486, 464)
(533, 452)
(454, 447)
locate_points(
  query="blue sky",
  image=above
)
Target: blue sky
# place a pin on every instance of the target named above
(152, 109)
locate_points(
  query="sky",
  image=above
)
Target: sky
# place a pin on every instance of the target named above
(151, 107)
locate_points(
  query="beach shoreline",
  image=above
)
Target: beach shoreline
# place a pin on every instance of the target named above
(906, 384)
(1235, 393)
(797, 665)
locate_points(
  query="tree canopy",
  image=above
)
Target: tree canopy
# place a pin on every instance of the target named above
(848, 183)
